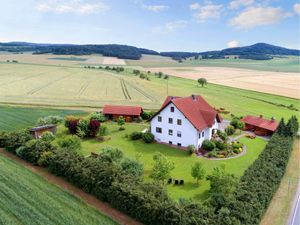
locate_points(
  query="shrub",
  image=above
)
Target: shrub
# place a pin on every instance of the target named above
(71, 122)
(220, 145)
(48, 136)
(208, 145)
(237, 124)
(222, 135)
(121, 122)
(230, 130)
(94, 126)
(70, 142)
(148, 137)
(45, 158)
(50, 120)
(97, 116)
(83, 128)
(111, 154)
(103, 131)
(132, 167)
(121, 128)
(191, 149)
(212, 154)
(13, 140)
(136, 135)
(147, 115)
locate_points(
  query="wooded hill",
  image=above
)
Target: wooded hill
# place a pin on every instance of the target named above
(259, 51)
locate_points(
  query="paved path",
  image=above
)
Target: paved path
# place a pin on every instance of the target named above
(91, 200)
(295, 213)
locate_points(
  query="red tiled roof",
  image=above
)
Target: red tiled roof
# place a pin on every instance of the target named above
(260, 122)
(122, 110)
(195, 109)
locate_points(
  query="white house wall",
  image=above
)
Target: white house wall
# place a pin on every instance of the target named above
(189, 134)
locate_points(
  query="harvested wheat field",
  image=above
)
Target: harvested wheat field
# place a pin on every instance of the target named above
(113, 61)
(279, 83)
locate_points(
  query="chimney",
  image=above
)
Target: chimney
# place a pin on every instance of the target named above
(273, 118)
(193, 97)
(261, 116)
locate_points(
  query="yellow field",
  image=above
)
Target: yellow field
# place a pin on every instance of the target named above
(67, 86)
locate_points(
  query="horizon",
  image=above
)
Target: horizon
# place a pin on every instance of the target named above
(190, 26)
(142, 46)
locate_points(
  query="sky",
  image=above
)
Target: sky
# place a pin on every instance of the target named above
(166, 25)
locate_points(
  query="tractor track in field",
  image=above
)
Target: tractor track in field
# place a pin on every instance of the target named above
(145, 94)
(83, 88)
(89, 199)
(35, 90)
(124, 89)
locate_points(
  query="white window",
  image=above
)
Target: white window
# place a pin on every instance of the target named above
(172, 109)
(178, 133)
(179, 122)
(202, 133)
(159, 118)
(171, 120)
(170, 132)
(170, 142)
(179, 144)
(158, 130)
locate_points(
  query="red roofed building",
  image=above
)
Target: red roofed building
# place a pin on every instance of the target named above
(259, 125)
(185, 121)
(130, 113)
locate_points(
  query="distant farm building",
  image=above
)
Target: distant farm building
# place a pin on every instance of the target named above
(260, 125)
(37, 132)
(130, 113)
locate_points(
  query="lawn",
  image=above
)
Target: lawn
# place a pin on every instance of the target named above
(183, 161)
(28, 199)
(15, 118)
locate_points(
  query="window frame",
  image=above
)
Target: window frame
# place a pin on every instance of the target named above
(172, 109)
(170, 120)
(157, 130)
(179, 134)
(179, 122)
(170, 132)
(159, 118)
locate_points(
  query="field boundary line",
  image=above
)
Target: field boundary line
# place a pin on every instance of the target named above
(91, 200)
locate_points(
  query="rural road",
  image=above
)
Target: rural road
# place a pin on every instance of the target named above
(295, 213)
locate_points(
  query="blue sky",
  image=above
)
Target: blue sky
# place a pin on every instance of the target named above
(179, 25)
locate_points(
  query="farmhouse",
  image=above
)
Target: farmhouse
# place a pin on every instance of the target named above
(185, 121)
(130, 113)
(37, 132)
(259, 125)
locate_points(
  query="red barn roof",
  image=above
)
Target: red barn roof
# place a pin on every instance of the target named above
(195, 109)
(122, 110)
(260, 122)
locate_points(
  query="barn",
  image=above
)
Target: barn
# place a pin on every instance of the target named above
(37, 132)
(130, 113)
(259, 125)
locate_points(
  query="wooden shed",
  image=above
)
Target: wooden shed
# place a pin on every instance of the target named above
(37, 132)
(259, 125)
(130, 113)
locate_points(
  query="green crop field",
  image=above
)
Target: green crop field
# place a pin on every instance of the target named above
(28, 199)
(15, 118)
(182, 159)
(79, 87)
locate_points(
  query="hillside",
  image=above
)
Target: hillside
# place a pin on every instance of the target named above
(259, 51)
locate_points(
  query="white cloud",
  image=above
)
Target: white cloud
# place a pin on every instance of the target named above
(155, 8)
(171, 26)
(297, 8)
(233, 44)
(235, 4)
(258, 16)
(72, 6)
(206, 11)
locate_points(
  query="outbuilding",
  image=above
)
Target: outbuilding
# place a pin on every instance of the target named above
(130, 113)
(259, 125)
(37, 132)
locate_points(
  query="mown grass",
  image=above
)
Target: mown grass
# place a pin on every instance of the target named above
(26, 198)
(182, 160)
(15, 118)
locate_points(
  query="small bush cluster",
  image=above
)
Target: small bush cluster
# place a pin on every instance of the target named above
(82, 127)
(49, 120)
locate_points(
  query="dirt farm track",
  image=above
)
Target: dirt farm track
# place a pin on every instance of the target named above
(279, 83)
